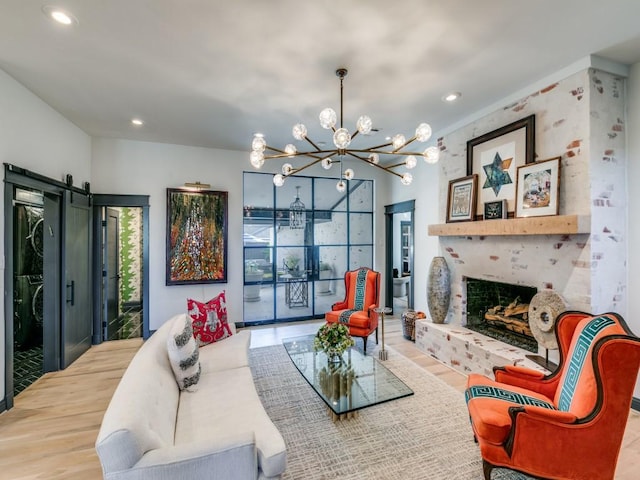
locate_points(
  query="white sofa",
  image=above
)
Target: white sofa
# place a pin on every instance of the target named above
(152, 430)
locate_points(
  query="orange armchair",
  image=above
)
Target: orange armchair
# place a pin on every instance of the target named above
(566, 425)
(357, 310)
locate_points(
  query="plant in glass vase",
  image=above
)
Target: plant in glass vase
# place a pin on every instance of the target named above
(333, 339)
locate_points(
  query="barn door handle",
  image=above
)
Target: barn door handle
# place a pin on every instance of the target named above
(72, 286)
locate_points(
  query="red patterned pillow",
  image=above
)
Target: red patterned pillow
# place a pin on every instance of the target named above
(209, 319)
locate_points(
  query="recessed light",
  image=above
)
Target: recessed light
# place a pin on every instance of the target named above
(60, 15)
(137, 122)
(451, 96)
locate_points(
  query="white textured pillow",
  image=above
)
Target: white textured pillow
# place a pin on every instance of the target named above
(184, 354)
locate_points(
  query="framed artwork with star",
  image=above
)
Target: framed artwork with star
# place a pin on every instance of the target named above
(495, 158)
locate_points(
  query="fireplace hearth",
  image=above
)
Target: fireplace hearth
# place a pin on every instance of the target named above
(500, 311)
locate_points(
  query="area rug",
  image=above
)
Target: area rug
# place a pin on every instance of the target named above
(424, 436)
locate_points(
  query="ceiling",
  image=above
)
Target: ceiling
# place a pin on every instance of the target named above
(212, 73)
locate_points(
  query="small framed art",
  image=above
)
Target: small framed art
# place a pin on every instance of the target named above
(461, 201)
(495, 210)
(538, 188)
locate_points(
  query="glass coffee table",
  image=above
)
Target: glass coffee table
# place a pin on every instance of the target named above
(356, 382)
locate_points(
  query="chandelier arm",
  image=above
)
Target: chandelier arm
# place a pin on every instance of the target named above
(293, 155)
(385, 152)
(314, 145)
(404, 144)
(401, 164)
(380, 146)
(386, 169)
(310, 164)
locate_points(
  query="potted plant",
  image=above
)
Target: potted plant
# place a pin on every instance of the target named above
(333, 339)
(292, 264)
(326, 272)
(253, 279)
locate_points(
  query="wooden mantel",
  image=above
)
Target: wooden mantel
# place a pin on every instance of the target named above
(552, 225)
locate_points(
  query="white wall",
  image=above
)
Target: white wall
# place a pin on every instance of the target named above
(632, 314)
(130, 167)
(424, 190)
(36, 137)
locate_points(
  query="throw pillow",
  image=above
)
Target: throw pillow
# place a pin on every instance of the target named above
(209, 319)
(184, 354)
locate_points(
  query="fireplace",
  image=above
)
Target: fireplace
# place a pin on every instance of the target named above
(500, 311)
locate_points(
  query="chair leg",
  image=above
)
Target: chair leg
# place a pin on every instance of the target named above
(376, 335)
(364, 339)
(486, 469)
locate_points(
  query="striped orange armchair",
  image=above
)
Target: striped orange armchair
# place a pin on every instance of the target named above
(357, 310)
(568, 424)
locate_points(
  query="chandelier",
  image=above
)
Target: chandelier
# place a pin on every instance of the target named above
(297, 214)
(341, 140)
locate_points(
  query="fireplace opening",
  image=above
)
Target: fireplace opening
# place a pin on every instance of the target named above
(501, 311)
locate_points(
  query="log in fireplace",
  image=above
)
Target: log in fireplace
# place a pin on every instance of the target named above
(500, 310)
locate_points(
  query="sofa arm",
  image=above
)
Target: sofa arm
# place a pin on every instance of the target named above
(233, 455)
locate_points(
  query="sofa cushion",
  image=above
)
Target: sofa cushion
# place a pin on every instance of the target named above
(227, 401)
(183, 353)
(489, 403)
(209, 319)
(131, 428)
(232, 352)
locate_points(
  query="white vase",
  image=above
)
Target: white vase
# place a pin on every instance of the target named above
(438, 289)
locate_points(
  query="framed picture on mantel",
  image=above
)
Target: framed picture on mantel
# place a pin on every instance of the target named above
(495, 158)
(461, 201)
(538, 188)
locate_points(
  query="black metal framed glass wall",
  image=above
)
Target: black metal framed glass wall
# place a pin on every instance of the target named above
(295, 257)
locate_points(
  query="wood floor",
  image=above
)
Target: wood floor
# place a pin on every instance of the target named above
(51, 431)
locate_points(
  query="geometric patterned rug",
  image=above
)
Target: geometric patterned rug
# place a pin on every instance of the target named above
(423, 436)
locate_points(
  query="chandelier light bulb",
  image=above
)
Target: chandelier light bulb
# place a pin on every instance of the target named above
(328, 118)
(411, 162)
(290, 149)
(348, 174)
(374, 158)
(364, 125)
(258, 144)
(431, 154)
(287, 168)
(257, 158)
(326, 163)
(278, 180)
(341, 138)
(398, 141)
(299, 131)
(341, 186)
(423, 132)
(406, 179)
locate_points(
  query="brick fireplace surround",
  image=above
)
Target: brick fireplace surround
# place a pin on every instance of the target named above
(580, 254)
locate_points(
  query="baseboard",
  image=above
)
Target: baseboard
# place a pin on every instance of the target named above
(635, 404)
(3, 405)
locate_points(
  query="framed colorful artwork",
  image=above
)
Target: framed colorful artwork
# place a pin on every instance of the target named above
(495, 158)
(461, 201)
(538, 188)
(196, 236)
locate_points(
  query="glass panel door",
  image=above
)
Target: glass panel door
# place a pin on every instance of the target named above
(295, 265)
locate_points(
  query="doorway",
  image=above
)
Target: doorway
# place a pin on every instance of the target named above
(399, 234)
(28, 256)
(121, 292)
